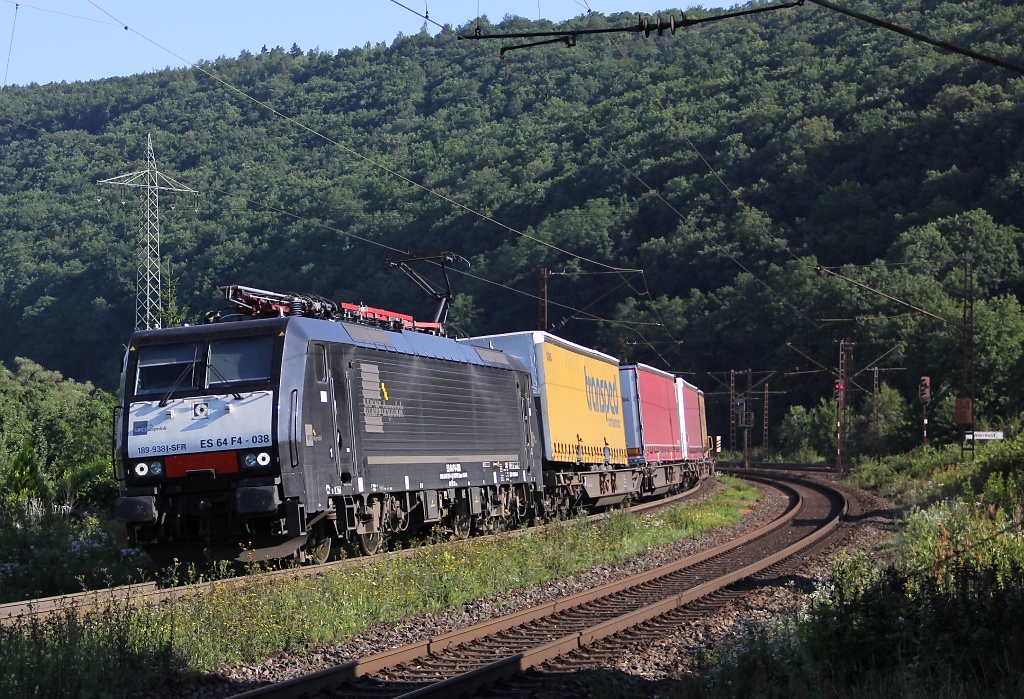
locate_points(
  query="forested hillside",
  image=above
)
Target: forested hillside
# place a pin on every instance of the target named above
(843, 145)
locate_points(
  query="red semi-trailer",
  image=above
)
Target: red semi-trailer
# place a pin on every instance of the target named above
(652, 415)
(692, 416)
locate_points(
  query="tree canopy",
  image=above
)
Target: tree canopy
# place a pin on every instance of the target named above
(841, 145)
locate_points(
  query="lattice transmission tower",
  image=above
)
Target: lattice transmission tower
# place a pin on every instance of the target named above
(148, 290)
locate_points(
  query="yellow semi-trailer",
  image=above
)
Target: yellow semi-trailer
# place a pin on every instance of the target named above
(578, 394)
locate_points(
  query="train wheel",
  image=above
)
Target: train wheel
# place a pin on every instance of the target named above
(460, 526)
(370, 543)
(318, 547)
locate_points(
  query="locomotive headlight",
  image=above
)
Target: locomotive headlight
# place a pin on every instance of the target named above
(141, 469)
(156, 468)
(250, 460)
(263, 458)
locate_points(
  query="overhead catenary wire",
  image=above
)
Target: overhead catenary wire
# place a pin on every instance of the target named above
(10, 48)
(652, 190)
(259, 203)
(648, 29)
(888, 296)
(917, 36)
(351, 151)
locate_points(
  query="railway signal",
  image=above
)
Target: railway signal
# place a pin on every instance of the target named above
(924, 392)
(837, 391)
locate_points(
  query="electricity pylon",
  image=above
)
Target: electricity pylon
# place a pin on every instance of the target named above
(148, 302)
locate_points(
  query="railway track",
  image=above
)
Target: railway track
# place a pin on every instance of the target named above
(493, 657)
(153, 593)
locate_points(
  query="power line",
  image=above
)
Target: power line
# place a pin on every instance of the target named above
(11, 47)
(299, 217)
(357, 154)
(643, 25)
(652, 190)
(647, 28)
(448, 199)
(63, 14)
(569, 36)
(756, 221)
(882, 293)
(369, 160)
(920, 37)
(714, 172)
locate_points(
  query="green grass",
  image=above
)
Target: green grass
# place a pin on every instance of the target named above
(232, 625)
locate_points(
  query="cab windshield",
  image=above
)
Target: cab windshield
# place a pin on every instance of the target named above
(240, 360)
(168, 367)
(200, 366)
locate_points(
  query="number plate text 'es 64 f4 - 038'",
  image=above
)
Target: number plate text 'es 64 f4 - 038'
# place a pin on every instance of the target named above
(208, 423)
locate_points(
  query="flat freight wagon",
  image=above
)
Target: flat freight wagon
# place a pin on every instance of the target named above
(652, 415)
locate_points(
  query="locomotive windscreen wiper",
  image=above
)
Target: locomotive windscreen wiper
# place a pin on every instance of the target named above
(234, 394)
(181, 377)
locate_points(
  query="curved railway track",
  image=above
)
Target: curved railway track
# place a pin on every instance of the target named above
(150, 592)
(493, 656)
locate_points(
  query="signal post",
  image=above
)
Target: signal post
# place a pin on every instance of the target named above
(924, 392)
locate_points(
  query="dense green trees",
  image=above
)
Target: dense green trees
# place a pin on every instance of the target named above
(848, 146)
(55, 437)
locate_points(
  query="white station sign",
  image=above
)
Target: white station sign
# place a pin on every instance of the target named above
(986, 435)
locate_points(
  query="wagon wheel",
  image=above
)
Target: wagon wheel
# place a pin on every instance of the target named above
(369, 543)
(460, 526)
(318, 546)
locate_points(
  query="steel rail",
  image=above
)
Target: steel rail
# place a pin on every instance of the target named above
(517, 662)
(13, 613)
(500, 670)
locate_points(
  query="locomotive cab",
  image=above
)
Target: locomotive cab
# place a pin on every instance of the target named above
(198, 460)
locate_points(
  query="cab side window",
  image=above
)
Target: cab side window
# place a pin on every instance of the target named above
(320, 362)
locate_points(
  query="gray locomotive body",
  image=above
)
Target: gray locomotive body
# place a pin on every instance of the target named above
(273, 436)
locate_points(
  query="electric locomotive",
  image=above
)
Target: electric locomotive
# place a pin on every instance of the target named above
(311, 421)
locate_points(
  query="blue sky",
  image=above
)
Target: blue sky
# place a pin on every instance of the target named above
(50, 47)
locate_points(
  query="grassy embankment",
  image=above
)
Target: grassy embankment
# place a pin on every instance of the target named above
(120, 649)
(938, 612)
